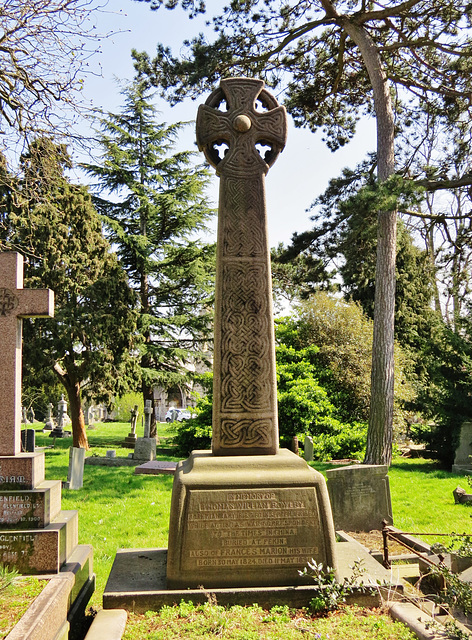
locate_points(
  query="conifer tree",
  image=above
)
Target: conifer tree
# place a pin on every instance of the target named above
(152, 199)
(54, 224)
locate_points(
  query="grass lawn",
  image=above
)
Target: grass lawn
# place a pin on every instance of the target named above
(118, 509)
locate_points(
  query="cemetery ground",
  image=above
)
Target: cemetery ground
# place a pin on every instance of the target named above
(118, 509)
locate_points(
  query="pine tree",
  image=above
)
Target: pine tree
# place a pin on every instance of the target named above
(87, 344)
(152, 199)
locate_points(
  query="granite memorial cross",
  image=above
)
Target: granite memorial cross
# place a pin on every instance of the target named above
(245, 513)
(16, 303)
(245, 396)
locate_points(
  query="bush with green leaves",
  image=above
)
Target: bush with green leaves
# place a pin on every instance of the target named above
(125, 403)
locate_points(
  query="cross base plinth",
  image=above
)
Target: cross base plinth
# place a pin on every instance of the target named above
(247, 521)
(21, 471)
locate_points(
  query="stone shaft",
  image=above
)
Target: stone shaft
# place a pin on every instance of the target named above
(16, 303)
(245, 392)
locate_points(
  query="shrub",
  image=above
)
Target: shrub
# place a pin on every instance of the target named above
(125, 403)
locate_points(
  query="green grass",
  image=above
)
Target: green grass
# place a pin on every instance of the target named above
(118, 509)
(253, 623)
(15, 599)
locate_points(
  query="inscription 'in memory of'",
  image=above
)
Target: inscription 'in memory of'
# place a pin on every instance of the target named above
(251, 528)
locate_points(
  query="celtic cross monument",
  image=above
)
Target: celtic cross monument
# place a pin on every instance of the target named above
(245, 394)
(244, 513)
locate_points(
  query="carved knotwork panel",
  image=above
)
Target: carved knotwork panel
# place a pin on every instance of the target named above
(246, 345)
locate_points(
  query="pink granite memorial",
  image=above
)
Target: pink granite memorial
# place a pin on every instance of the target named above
(36, 536)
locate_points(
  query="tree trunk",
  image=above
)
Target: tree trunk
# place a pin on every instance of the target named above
(79, 435)
(380, 432)
(72, 387)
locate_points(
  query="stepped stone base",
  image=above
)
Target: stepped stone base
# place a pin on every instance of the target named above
(30, 508)
(22, 471)
(37, 551)
(137, 583)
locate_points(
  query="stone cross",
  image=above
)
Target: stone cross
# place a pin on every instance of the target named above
(16, 303)
(244, 379)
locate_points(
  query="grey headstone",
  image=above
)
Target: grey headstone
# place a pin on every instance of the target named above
(28, 440)
(464, 450)
(360, 497)
(308, 449)
(75, 476)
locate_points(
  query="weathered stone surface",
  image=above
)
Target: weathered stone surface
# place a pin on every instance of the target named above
(462, 459)
(244, 391)
(360, 497)
(16, 303)
(247, 520)
(38, 551)
(30, 509)
(145, 449)
(75, 475)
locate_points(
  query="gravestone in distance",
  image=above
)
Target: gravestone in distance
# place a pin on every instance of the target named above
(308, 449)
(75, 474)
(462, 459)
(49, 424)
(145, 447)
(360, 497)
(130, 440)
(245, 513)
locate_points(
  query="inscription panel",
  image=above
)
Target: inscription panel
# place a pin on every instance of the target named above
(251, 528)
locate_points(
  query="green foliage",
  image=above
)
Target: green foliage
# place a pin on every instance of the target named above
(125, 403)
(87, 344)
(332, 593)
(8, 575)
(152, 201)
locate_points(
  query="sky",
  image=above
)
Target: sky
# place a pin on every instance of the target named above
(300, 173)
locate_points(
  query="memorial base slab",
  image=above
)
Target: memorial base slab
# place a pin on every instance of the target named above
(247, 521)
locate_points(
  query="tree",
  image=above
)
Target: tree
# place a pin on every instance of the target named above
(87, 344)
(46, 46)
(339, 61)
(153, 202)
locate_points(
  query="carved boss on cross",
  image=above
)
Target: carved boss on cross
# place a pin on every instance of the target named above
(241, 128)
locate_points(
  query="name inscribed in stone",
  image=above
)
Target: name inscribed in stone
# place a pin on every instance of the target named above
(251, 528)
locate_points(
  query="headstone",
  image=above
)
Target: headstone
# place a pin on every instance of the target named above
(461, 496)
(24, 416)
(245, 513)
(295, 445)
(308, 449)
(360, 497)
(462, 459)
(62, 419)
(75, 475)
(28, 440)
(131, 438)
(49, 424)
(145, 447)
(35, 535)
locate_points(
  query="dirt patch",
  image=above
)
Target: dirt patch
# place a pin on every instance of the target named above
(373, 541)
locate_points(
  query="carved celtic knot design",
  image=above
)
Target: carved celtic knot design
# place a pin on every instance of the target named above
(246, 433)
(243, 234)
(8, 301)
(245, 339)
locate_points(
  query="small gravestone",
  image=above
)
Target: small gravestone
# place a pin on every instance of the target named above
(28, 440)
(145, 447)
(462, 459)
(308, 449)
(360, 497)
(130, 440)
(49, 424)
(245, 513)
(24, 416)
(62, 419)
(75, 475)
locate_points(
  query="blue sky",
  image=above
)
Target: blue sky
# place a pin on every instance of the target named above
(301, 172)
